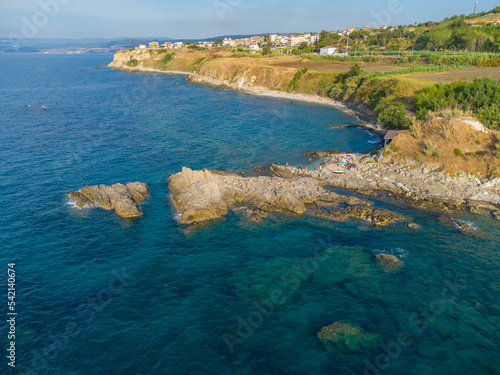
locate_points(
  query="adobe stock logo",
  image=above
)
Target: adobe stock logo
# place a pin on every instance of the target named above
(384, 16)
(41, 18)
(223, 6)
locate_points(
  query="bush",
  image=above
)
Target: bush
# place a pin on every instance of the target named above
(430, 148)
(133, 62)
(446, 131)
(297, 77)
(165, 60)
(395, 117)
(397, 149)
(458, 152)
(438, 153)
(416, 129)
(480, 96)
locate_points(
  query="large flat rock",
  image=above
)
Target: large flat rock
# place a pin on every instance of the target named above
(205, 195)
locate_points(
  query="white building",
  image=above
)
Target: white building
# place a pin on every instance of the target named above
(254, 47)
(328, 51)
(142, 46)
(229, 42)
(293, 41)
(314, 39)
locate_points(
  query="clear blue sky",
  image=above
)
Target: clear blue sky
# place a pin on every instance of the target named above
(208, 18)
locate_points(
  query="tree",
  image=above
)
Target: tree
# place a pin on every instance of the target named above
(219, 42)
(266, 50)
(464, 38)
(303, 45)
(323, 43)
(438, 39)
(355, 71)
(323, 35)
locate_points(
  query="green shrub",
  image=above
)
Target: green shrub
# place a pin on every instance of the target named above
(397, 149)
(430, 148)
(480, 96)
(165, 60)
(469, 153)
(133, 62)
(458, 152)
(395, 117)
(438, 153)
(297, 77)
(416, 129)
(478, 142)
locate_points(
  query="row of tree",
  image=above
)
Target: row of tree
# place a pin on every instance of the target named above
(449, 34)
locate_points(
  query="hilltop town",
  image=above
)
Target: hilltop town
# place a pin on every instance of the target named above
(482, 35)
(274, 41)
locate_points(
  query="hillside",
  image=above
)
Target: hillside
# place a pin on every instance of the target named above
(456, 144)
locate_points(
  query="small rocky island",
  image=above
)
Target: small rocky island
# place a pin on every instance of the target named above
(120, 198)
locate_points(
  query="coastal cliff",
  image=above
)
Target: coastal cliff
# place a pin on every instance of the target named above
(255, 75)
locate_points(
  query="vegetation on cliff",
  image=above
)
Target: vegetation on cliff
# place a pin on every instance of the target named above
(482, 97)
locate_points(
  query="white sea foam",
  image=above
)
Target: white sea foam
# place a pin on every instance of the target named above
(468, 223)
(396, 251)
(72, 203)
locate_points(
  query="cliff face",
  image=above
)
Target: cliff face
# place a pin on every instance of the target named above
(236, 73)
(121, 58)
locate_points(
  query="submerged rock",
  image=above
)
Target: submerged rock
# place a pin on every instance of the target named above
(121, 198)
(339, 263)
(369, 193)
(347, 337)
(467, 229)
(322, 154)
(388, 262)
(378, 216)
(414, 226)
(257, 215)
(269, 281)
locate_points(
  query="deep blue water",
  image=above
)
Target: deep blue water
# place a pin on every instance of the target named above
(100, 295)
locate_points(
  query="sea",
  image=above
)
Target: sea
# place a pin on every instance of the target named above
(97, 294)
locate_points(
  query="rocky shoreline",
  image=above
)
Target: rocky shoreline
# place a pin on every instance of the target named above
(205, 195)
(421, 186)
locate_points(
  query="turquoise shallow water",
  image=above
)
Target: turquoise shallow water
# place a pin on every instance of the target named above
(100, 295)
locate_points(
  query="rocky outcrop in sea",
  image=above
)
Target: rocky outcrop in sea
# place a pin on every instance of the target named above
(204, 195)
(120, 198)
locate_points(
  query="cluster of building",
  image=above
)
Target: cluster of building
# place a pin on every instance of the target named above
(256, 42)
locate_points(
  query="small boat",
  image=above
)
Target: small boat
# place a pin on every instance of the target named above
(374, 142)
